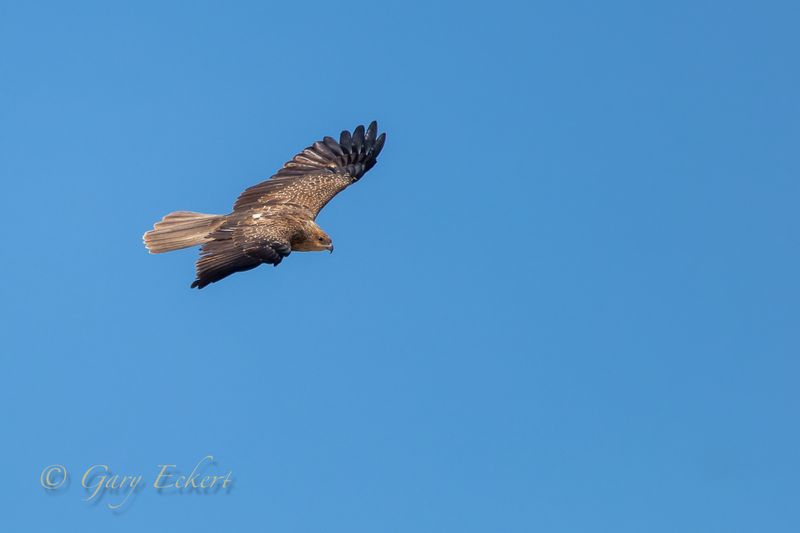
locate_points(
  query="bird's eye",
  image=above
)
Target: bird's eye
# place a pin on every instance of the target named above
(322, 239)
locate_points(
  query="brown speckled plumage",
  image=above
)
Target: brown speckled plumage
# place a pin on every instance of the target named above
(275, 217)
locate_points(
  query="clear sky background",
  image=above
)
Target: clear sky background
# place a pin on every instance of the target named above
(565, 300)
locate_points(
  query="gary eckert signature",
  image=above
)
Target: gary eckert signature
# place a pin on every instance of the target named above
(98, 480)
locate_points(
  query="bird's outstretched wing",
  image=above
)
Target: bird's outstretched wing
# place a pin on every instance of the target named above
(319, 172)
(242, 245)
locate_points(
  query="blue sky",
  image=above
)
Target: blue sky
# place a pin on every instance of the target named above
(566, 298)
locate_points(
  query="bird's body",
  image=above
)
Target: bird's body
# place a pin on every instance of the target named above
(275, 217)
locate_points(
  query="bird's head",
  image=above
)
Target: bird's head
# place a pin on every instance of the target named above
(316, 240)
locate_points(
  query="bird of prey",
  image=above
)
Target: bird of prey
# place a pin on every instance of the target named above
(276, 217)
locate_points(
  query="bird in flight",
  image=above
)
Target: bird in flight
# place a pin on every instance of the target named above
(275, 217)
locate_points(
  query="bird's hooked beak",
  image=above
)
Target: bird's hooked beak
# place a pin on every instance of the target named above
(330, 247)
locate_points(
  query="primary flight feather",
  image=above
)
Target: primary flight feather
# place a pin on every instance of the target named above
(276, 217)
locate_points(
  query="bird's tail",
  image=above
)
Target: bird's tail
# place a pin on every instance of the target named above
(181, 229)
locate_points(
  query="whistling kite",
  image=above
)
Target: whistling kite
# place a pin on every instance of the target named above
(275, 217)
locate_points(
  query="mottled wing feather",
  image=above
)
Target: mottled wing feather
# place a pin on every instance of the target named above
(219, 259)
(243, 244)
(268, 241)
(318, 173)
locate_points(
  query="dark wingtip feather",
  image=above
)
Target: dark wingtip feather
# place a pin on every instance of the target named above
(378, 146)
(334, 147)
(372, 131)
(345, 140)
(354, 154)
(358, 140)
